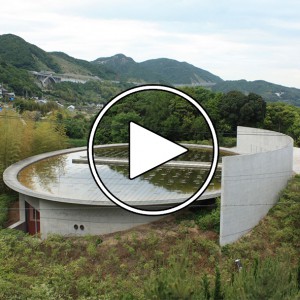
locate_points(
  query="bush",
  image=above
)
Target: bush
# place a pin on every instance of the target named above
(5, 201)
(228, 142)
(176, 281)
(268, 279)
(209, 220)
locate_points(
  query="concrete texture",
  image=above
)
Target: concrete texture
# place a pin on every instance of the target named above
(170, 164)
(94, 198)
(60, 218)
(60, 214)
(296, 160)
(251, 183)
(250, 186)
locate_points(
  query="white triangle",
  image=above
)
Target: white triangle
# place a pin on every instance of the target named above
(149, 150)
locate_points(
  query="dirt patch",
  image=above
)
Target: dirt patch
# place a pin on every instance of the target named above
(166, 228)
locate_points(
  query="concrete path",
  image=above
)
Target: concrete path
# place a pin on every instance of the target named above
(170, 164)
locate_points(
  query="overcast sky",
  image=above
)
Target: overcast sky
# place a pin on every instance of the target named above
(233, 39)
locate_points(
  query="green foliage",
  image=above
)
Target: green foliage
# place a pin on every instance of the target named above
(16, 51)
(218, 294)
(265, 89)
(40, 137)
(268, 279)
(30, 105)
(176, 72)
(119, 130)
(91, 91)
(161, 112)
(209, 219)
(239, 109)
(48, 137)
(17, 80)
(176, 281)
(73, 143)
(162, 70)
(19, 54)
(206, 287)
(5, 201)
(163, 262)
(83, 65)
(283, 118)
(76, 127)
(227, 142)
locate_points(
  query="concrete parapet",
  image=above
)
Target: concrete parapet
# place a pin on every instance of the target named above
(251, 182)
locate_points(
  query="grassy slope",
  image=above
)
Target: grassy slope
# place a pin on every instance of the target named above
(166, 257)
(18, 52)
(69, 67)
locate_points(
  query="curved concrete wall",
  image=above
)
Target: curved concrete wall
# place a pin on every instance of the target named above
(60, 218)
(251, 182)
(59, 214)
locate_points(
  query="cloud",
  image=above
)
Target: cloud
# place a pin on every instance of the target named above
(252, 40)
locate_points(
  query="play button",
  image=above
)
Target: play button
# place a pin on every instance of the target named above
(136, 182)
(149, 150)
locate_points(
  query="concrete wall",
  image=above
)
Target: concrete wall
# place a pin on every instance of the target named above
(251, 183)
(60, 218)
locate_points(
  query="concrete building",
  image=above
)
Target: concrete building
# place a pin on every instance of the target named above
(71, 108)
(59, 195)
(250, 186)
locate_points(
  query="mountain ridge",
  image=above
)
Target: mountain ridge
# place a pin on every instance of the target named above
(160, 69)
(16, 53)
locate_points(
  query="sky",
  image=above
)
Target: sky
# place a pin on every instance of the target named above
(254, 39)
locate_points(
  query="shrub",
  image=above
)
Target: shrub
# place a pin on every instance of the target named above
(175, 281)
(209, 219)
(268, 279)
(5, 201)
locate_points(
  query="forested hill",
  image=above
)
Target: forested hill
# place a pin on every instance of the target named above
(180, 72)
(17, 55)
(161, 70)
(21, 54)
(17, 52)
(269, 91)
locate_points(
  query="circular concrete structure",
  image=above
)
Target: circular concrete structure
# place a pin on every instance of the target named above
(59, 191)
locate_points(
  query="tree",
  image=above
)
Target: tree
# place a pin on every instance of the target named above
(239, 109)
(21, 138)
(120, 125)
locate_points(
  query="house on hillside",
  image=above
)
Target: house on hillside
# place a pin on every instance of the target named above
(59, 104)
(41, 101)
(3, 91)
(10, 96)
(5, 94)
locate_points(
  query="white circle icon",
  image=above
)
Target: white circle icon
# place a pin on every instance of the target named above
(116, 200)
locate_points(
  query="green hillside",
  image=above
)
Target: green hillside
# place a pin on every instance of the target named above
(269, 91)
(17, 55)
(181, 73)
(162, 70)
(129, 70)
(17, 80)
(73, 65)
(21, 54)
